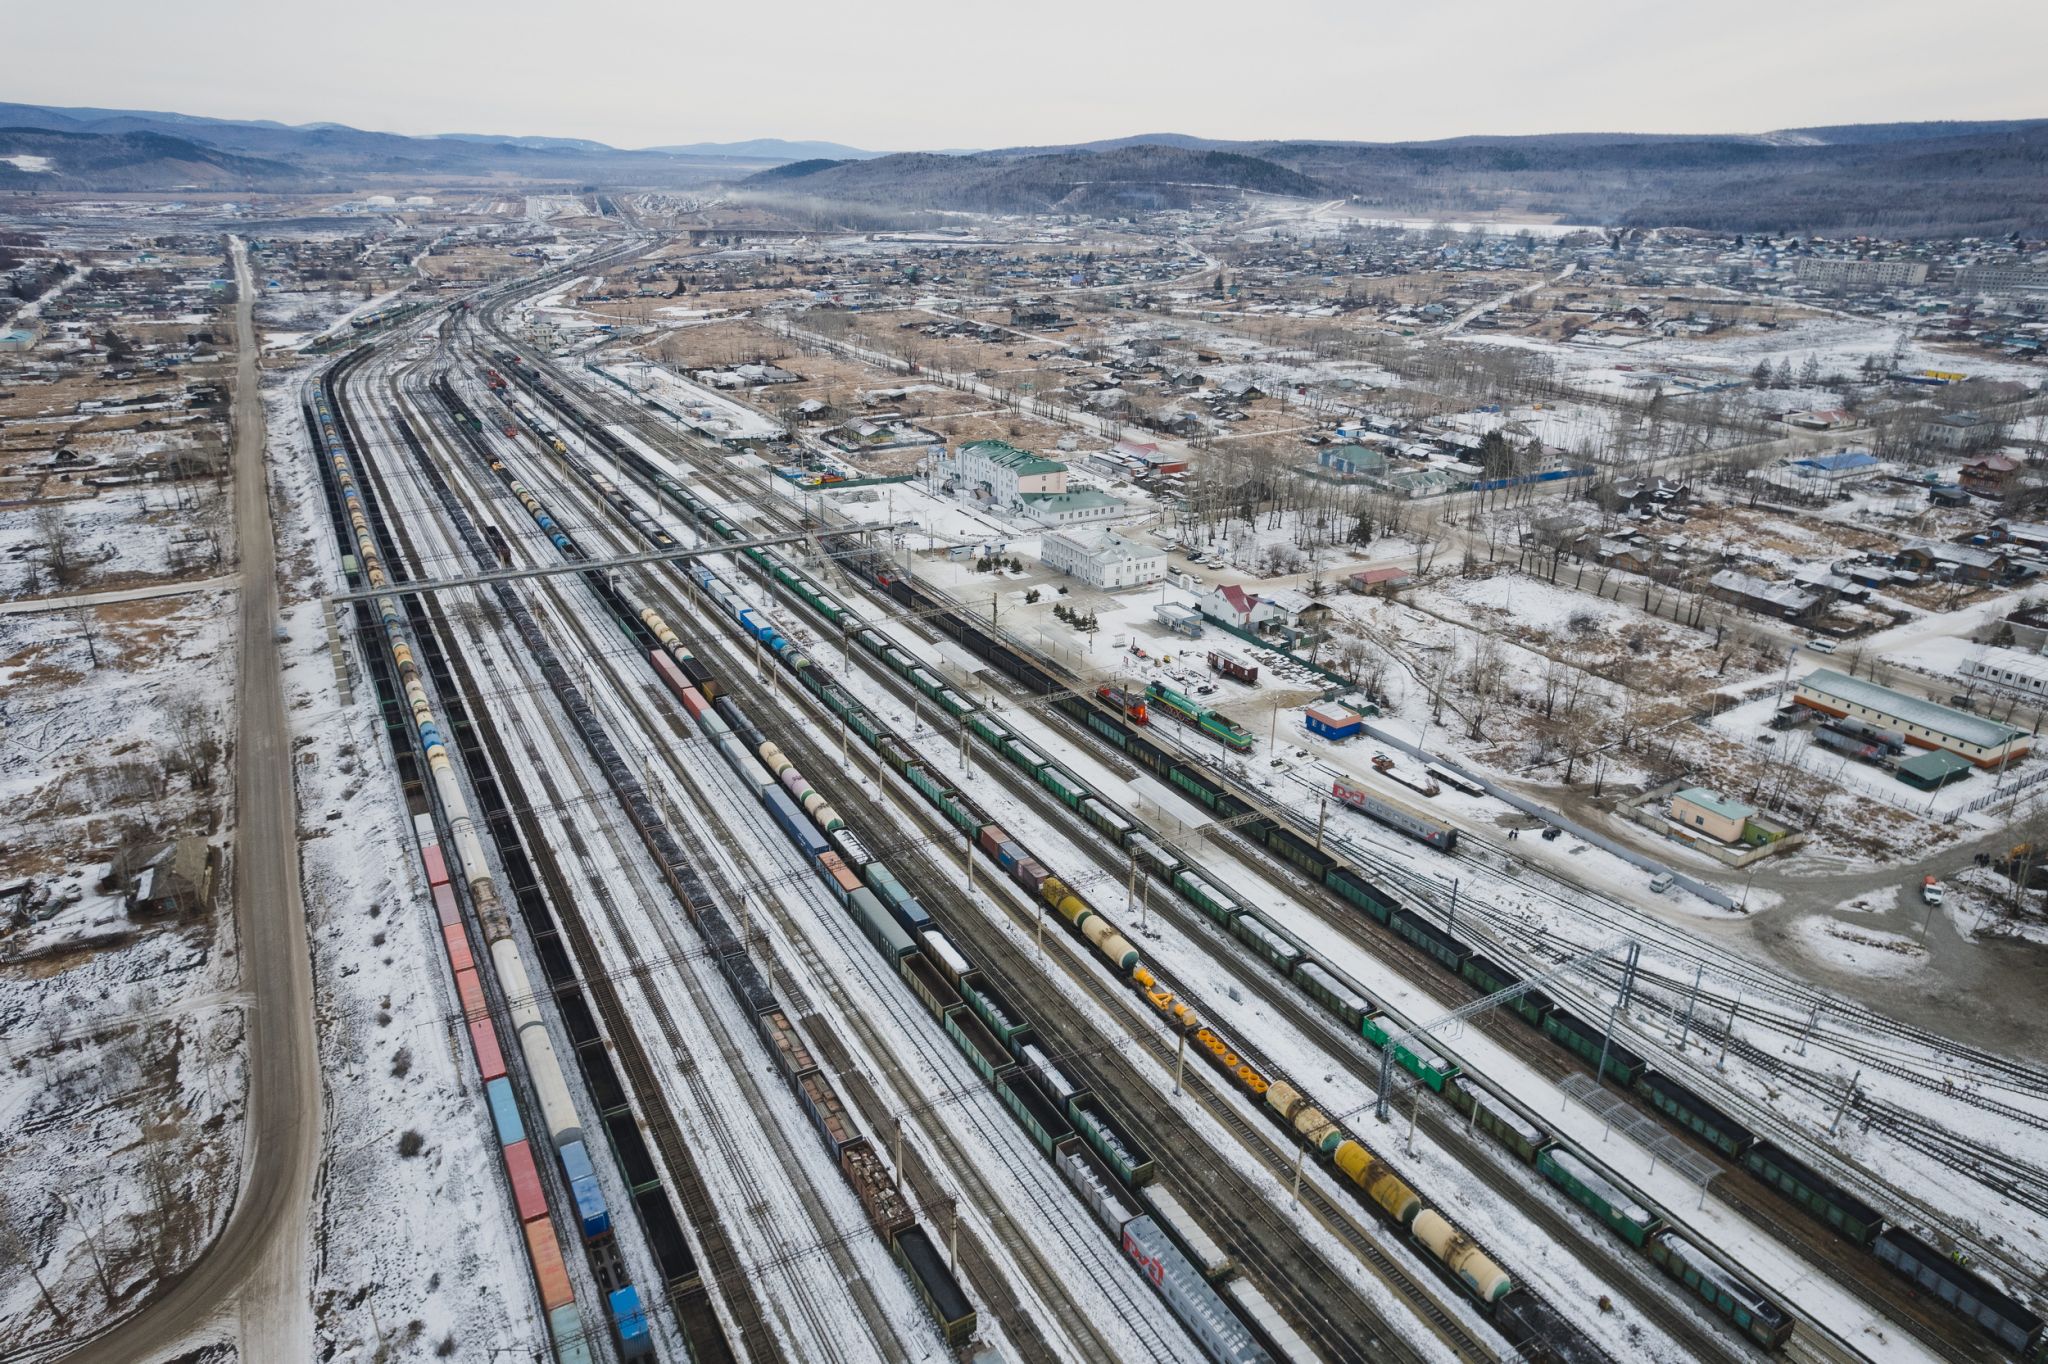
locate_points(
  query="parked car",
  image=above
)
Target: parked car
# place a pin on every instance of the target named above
(1661, 883)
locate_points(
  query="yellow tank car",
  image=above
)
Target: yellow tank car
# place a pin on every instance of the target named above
(1071, 907)
(1282, 1098)
(1487, 1280)
(1380, 1184)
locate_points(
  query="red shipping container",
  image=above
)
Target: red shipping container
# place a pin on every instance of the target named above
(445, 908)
(472, 991)
(670, 673)
(694, 702)
(490, 1062)
(548, 1272)
(992, 837)
(437, 866)
(459, 955)
(527, 1196)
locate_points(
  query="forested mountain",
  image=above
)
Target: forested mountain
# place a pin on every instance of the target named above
(1128, 179)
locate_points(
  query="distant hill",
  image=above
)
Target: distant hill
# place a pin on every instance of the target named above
(1925, 178)
(47, 159)
(337, 156)
(1128, 179)
(771, 149)
(1930, 178)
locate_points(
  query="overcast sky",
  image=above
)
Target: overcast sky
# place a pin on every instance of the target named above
(906, 74)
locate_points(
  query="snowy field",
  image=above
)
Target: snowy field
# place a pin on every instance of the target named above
(120, 1105)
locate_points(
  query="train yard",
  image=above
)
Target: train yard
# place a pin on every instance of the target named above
(844, 979)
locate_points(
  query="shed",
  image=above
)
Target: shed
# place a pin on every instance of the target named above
(1934, 769)
(1697, 809)
(167, 878)
(1334, 722)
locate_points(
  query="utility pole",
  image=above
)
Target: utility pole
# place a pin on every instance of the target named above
(1847, 1095)
(1806, 1032)
(1686, 1030)
(1721, 1061)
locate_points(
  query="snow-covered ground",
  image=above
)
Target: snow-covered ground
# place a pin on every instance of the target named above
(120, 1105)
(392, 1049)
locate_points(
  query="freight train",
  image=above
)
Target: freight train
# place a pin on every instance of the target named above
(564, 1128)
(853, 1154)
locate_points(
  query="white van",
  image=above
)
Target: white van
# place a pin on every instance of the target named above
(1661, 883)
(1821, 646)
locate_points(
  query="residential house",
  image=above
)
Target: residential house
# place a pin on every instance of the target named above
(167, 878)
(1845, 466)
(1380, 579)
(1988, 476)
(1964, 563)
(1762, 595)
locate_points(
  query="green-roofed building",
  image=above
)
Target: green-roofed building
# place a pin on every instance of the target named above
(1000, 474)
(1934, 769)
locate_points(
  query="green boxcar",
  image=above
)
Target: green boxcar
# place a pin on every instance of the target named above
(1631, 1221)
(957, 815)
(1425, 1065)
(1206, 897)
(1064, 785)
(1009, 1025)
(926, 682)
(1108, 729)
(986, 726)
(954, 703)
(1486, 1112)
(1196, 785)
(1133, 1165)
(922, 778)
(864, 725)
(1804, 1185)
(1266, 941)
(1109, 821)
(1318, 983)
(1762, 1320)
(1038, 1114)
(1024, 756)
(1355, 888)
(975, 1042)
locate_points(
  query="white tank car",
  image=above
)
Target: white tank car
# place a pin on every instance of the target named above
(557, 1109)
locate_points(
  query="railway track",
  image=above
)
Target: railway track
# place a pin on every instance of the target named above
(730, 806)
(705, 1332)
(730, 1142)
(1369, 1251)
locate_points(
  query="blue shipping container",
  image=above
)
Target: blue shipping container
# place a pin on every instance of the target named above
(590, 1208)
(504, 1111)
